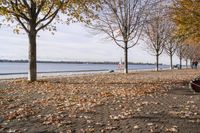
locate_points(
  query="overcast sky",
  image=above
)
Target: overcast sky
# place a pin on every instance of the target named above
(71, 42)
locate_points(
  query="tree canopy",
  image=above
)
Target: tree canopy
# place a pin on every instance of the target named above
(45, 11)
(186, 15)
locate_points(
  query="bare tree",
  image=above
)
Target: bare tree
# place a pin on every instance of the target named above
(181, 48)
(156, 31)
(187, 55)
(192, 53)
(122, 21)
(170, 49)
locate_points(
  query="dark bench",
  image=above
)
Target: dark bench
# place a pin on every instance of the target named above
(195, 84)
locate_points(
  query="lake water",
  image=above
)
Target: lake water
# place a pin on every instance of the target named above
(10, 68)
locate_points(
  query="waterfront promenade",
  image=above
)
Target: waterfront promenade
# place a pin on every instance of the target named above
(140, 102)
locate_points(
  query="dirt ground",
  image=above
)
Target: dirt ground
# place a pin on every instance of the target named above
(136, 102)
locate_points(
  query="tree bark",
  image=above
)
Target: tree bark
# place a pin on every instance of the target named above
(157, 62)
(125, 59)
(180, 62)
(171, 62)
(32, 73)
(186, 63)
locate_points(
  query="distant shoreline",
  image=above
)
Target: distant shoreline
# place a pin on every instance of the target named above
(74, 62)
(58, 74)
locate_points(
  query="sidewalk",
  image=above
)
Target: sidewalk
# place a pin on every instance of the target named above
(176, 111)
(140, 102)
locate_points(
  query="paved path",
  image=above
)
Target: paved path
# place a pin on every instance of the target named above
(176, 111)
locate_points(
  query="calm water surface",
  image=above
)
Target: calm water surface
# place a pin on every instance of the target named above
(10, 67)
(17, 68)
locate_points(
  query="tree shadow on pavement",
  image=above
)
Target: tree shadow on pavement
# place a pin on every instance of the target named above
(184, 90)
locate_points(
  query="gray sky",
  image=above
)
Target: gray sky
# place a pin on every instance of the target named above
(71, 42)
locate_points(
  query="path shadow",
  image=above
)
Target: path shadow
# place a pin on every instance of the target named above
(184, 90)
(191, 124)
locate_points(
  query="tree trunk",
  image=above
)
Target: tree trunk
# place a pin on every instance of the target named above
(186, 63)
(125, 59)
(180, 62)
(191, 64)
(171, 62)
(157, 62)
(32, 73)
